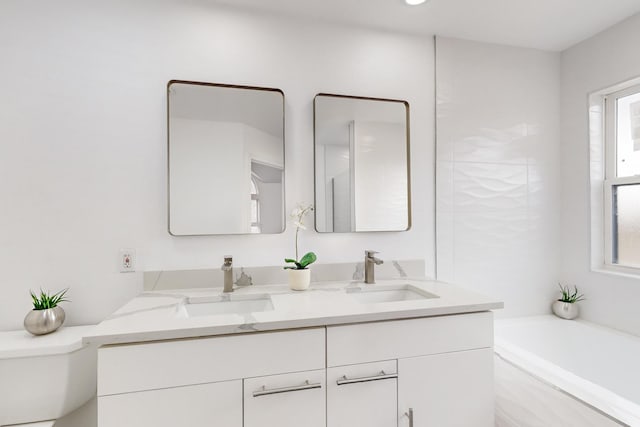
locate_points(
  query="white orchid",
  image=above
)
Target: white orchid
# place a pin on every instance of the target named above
(297, 216)
(295, 213)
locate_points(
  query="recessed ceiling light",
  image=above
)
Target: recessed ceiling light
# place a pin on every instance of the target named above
(414, 2)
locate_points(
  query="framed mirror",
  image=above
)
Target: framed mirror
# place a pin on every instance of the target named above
(362, 176)
(225, 159)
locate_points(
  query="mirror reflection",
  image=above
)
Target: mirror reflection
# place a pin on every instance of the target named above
(361, 164)
(226, 159)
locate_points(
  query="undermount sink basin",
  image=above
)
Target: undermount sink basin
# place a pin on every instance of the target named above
(396, 293)
(200, 307)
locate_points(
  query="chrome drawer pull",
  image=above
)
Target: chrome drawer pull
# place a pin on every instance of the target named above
(306, 386)
(382, 376)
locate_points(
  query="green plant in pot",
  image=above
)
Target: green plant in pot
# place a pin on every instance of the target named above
(566, 306)
(46, 316)
(298, 268)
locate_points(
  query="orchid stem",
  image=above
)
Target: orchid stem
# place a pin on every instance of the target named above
(297, 229)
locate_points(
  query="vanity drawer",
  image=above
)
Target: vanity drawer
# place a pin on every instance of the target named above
(369, 342)
(138, 367)
(363, 395)
(288, 400)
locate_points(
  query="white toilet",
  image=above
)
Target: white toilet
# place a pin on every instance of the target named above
(45, 378)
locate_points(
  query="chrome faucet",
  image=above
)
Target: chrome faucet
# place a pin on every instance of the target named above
(227, 267)
(370, 262)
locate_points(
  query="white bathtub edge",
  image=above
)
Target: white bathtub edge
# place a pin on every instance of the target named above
(601, 399)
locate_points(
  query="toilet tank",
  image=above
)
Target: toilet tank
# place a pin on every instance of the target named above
(45, 377)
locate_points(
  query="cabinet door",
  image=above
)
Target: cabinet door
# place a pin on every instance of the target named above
(205, 405)
(288, 400)
(362, 395)
(447, 390)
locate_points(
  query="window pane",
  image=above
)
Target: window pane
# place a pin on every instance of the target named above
(255, 208)
(254, 211)
(627, 225)
(628, 136)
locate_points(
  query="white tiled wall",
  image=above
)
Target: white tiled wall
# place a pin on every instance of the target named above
(497, 152)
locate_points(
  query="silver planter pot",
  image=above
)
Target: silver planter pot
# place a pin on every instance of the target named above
(565, 310)
(42, 322)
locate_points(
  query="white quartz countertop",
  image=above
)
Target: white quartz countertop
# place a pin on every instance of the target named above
(18, 344)
(153, 316)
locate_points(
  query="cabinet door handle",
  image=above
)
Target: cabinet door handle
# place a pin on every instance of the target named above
(264, 391)
(381, 376)
(410, 416)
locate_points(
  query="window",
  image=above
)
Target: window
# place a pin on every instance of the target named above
(622, 178)
(255, 207)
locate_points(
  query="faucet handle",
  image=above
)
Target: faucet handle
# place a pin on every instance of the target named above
(228, 259)
(370, 253)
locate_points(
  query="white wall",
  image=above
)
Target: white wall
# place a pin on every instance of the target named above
(332, 170)
(211, 176)
(606, 59)
(207, 151)
(271, 217)
(262, 147)
(83, 137)
(497, 164)
(379, 159)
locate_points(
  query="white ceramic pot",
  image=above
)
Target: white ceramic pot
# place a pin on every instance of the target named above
(299, 280)
(566, 310)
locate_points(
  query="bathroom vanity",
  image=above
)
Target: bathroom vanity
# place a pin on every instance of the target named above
(398, 353)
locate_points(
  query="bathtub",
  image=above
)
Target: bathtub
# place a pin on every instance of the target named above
(595, 365)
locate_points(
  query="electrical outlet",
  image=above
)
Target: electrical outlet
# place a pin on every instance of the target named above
(127, 260)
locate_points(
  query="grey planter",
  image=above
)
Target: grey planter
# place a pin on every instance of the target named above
(565, 310)
(42, 322)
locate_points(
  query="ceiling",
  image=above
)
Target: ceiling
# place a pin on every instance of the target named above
(333, 116)
(543, 24)
(260, 109)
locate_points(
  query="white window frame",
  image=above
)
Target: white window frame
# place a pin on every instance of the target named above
(256, 196)
(610, 178)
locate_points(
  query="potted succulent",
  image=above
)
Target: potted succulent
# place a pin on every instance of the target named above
(47, 315)
(566, 306)
(299, 273)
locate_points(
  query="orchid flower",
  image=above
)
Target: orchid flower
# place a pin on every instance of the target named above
(297, 216)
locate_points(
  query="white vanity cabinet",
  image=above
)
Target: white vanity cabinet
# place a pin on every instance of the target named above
(204, 405)
(420, 372)
(199, 382)
(362, 395)
(444, 368)
(288, 400)
(450, 389)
